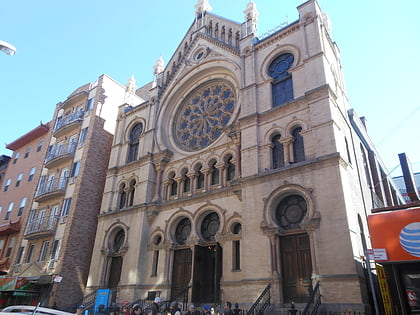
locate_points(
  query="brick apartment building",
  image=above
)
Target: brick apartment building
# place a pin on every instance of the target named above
(54, 254)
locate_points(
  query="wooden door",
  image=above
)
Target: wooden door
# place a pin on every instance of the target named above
(207, 273)
(296, 268)
(115, 272)
(181, 273)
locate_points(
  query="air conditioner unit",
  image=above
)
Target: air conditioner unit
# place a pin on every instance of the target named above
(72, 180)
(63, 219)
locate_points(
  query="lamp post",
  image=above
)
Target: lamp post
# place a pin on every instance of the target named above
(7, 48)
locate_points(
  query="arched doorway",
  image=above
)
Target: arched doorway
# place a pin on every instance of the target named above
(207, 262)
(295, 250)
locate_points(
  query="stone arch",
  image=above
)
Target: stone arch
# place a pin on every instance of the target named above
(292, 49)
(271, 203)
(172, 225)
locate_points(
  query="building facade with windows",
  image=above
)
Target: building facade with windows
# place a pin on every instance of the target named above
(57, 237)
(16, 194)
(242, 170)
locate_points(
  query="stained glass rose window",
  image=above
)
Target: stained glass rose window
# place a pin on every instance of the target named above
(203, 114)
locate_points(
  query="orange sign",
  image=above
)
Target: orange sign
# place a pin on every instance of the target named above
(398, 232)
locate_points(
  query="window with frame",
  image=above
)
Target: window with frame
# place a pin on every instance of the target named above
(173, 190)
(22, 206)
(83, 136)
(75, 169)
(27, 151)
(214, 173)
(230, 174)
(19, 256)
(187, 181)
(282, 84)
(44, 251)
(19, 179)
(40, 143)
(10, 246)
(298, 146)
(277, 152)
(133, 142)
(66, 207)
(31, 174)
(16, 157)
(1, 245)
(30, 253)
(131, 193)
(200, 177)
(122, 197)
(9, 210)
(7, 184)
(89, 104)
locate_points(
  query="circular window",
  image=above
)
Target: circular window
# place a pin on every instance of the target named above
(182, 231)
(291, 211)
(203, 114)
(118, 241)
(236, 228)
(157, 239)
(210, 226)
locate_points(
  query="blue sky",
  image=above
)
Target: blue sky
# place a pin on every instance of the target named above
(62, 45)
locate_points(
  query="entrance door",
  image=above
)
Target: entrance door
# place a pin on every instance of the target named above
(181, 274)
(115, 272)
(296, 268)
(207, 273)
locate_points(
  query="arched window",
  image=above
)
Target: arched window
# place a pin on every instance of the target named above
(173, 184)
(214, 173)
(282, 85)
(230, 174)
(187, 181)
(200, 177)
(131, 193)
(133, 145)
(183, 230)
(277, 153)
(290, 211)
(122, 197)
(298, 147)
(210, 226)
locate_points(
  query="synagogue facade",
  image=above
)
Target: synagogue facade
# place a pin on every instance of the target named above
(241, 169)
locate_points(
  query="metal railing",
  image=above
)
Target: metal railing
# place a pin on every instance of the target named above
(51, 185)
(262, 302)
(68, 119)
(314, 302)
(65, 149)
(44, 224)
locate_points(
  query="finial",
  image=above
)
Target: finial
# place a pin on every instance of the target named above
(201, 6)
(159, 66)
(251, 17)
(130, 90)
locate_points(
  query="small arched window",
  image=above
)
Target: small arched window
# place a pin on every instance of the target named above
(122, 197)
(230, 174)
(187, 181)
(277, 152)
(133, 145)
(298, 147)
(131, 193)
(282, 85)
(200, 177)
(173, 184)
(214, 173)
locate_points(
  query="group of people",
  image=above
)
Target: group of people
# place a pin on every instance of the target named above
(160, 308)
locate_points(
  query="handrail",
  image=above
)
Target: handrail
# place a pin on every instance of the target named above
(264, 305)
(314, 300)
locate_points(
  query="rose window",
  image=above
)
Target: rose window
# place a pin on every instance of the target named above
(203, 115)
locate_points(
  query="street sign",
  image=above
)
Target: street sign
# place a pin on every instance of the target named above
(377, 254)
